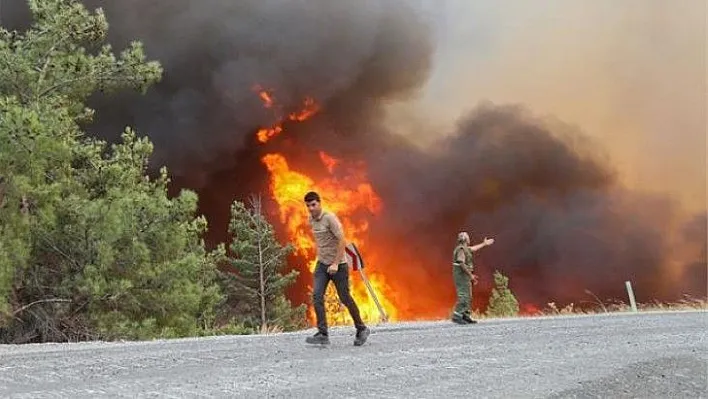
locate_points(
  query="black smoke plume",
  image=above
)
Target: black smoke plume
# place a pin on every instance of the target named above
(214, 52)
(563, 223)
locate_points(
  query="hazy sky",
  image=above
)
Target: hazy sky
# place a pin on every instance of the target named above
(630, 73)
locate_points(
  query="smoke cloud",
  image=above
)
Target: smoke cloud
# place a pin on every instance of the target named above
(632, 75)
(562, 221)
(575, 201)
(215, 52)
(205, 109)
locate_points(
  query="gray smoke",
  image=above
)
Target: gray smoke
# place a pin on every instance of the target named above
(562, 222)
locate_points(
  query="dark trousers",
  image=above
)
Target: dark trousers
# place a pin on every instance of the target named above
(341, 283)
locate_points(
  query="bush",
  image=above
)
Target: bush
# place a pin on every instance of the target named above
(502, 302)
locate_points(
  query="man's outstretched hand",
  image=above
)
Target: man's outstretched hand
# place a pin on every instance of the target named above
(488, 241)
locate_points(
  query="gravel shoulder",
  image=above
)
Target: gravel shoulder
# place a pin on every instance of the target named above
(626, 355)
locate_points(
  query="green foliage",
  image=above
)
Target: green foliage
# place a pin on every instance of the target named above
(62, 57)
(502, 302)
(255, 289)
(90, 247)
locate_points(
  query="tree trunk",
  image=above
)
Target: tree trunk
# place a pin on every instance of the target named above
(256, 201)
(261, 289)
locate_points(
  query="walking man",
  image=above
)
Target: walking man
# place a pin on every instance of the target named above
(464, 277)
(331, 265)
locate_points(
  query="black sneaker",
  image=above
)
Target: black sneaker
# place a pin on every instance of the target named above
(468, 319)
(319, 339)
(361, 336)
(458, 319)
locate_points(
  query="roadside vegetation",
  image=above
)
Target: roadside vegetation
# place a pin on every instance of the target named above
(91, 245)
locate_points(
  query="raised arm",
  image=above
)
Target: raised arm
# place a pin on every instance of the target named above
(487, 242)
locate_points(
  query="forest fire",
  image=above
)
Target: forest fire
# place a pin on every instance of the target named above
(527, 169)
(352, 198)
(541, 214)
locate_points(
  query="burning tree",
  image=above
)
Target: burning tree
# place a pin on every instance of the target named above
(258, 257)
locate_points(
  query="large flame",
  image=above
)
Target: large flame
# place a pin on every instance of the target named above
(354, 201)
(351, 198)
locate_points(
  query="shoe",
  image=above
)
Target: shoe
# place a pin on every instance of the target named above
(458, 319)
(468, 319)
(361, 336)
(318, 339)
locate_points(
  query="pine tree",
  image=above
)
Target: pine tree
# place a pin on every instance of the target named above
(257, 286)
(90, 246)
(502, 302)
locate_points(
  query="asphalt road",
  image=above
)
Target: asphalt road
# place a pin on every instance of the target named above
(641, 356)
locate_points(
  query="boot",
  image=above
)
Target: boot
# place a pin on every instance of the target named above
(318, 339)
(361, 336)
(459, 319)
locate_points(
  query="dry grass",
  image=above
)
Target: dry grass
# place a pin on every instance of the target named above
(268, 330)
(337, 315)
(599, 307)
(688, 303)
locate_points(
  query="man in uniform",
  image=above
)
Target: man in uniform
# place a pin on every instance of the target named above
(331, 265)
(464, 277)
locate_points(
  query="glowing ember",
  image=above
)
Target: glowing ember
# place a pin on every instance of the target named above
(265, 96)
(267, 100)
(307, 112)
(266, 134)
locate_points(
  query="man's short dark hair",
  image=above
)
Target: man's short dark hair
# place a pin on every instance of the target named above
(312, 196)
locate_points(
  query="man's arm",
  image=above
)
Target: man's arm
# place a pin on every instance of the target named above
(335, 227)
(485, 243)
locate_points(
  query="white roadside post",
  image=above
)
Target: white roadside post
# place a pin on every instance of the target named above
(630, 293)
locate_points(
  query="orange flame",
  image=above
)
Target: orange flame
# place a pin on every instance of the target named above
(309, 109)
(267, 99)
(351, 198)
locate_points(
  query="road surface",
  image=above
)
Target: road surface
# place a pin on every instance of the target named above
(633, 355)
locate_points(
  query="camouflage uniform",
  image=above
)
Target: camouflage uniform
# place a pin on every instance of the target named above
(463, 284)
